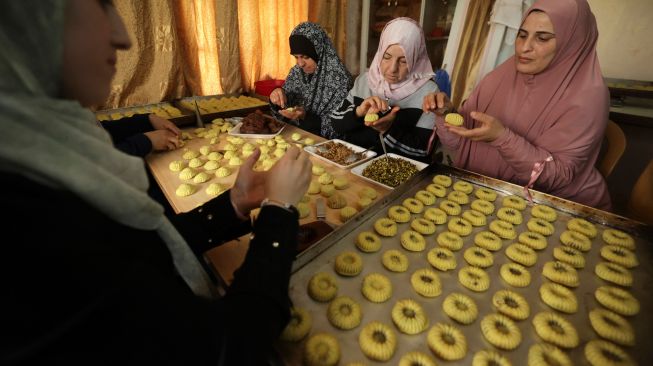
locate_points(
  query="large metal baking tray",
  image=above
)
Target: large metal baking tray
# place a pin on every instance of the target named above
(321, 256)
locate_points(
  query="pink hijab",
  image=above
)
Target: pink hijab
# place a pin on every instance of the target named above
(406, 33)
(559, 113)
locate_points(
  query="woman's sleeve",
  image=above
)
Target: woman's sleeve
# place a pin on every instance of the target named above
(128, 135)
(345, 122)
(569, 141)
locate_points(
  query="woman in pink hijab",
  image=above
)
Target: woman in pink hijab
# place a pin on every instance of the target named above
(539, 118)
(399, 77)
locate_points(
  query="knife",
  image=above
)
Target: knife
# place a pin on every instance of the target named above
(198, 118)
(320, 209)
(385, 152)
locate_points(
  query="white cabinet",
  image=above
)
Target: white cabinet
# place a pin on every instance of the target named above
(435, 17)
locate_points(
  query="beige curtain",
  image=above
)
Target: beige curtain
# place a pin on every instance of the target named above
(263, 29)
(332, 16)
(470, 50)
(151, 70)
(228, 49)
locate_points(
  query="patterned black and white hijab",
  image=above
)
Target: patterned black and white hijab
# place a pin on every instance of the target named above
(323, 91)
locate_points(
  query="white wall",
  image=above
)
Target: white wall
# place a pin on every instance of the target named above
(625, 45)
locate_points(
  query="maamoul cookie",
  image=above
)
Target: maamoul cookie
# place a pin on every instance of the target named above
(460, 226)
(447, 342)
(501, 331)
(223, 172)
(344, 313)
(511, 304)
(325, 178)
(214, 156)
(515, 274)
(299, 325)
(544, 354)
(478, 257)
(314, 188)
(617, 237)
(442, 259)
(321, 349)
(416, 358)
(475, 218)
(576, 240)
(363, 202)
(426, 282)
(555, 329)
(190, 154)
(559, 297)
(489, 358)
(412, 241)
(211, 165)
(486, 194)
(309, 141)
(449, 240)
(377, 341)
(454, 119)
(437, 190)
(521, 254)
(395, 261)
(327, 190)
(371, 117)
(187, 173)
(201, 177)
(317, 169)
(322, 287)
(458, 197)
(385, 227)
(336, 200)
(425, 197)
(409, 317)
(540, 226)
(488, 240)
(296, 136)
(413, 205)
(304, 209)
(205, 150)
(618, 300)
(376, 287)
(229, 154)
(460, 308)
(176, 165)
(561, 273)
(484, 207)
(544, 212)
(340, 183)
(582, 226)
(235, 161)
(368, 242)
(619, 255)
(510, 215)
(423, 226)
(514, 202)
(443, 180)
(214, 189)
(570, 256)
(436, 215)
(347, 213)
(195, 163)
(399, 213)
(185, 189)
(612, 327)
(532, 239)
(464, 187)
(348, 263)
(614, 273)
(504, 230)
(474, 279)
(604, 353)
(450, 208)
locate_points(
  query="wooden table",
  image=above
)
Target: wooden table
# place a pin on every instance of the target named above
(226, 258)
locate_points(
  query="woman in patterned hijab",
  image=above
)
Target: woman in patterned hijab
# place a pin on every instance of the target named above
(315, 86)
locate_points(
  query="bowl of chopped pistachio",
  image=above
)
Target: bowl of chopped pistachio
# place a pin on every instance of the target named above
(389, 170)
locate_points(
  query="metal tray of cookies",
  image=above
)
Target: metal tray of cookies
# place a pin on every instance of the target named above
(321, 258)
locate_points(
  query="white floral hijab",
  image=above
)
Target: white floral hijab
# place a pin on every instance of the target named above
(57, 142)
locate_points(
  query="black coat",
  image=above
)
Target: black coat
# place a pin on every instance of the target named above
(79, 288)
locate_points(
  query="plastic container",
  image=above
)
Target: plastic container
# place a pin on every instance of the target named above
(265, 87)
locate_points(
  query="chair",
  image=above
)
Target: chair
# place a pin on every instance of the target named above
(616, 144)
(640, 204)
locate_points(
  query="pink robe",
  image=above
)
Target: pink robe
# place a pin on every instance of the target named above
(561, 112)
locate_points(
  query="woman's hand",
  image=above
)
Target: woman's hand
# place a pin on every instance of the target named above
(489, 130)
(384, 123)
(438, 103)
(278, 97)
(163, 140)
(160, 123)
(371, 105)
(296, 113)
